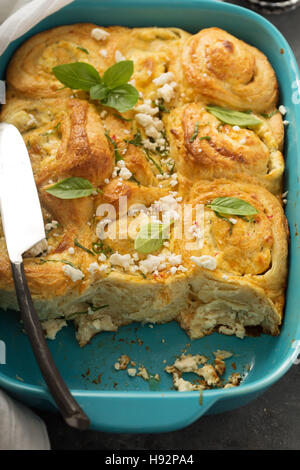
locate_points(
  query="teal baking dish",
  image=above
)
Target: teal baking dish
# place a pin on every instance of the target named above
(114, 401)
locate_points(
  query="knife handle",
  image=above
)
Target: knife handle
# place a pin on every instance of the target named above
(73, 415)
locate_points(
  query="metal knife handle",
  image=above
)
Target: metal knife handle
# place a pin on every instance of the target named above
(73, 415)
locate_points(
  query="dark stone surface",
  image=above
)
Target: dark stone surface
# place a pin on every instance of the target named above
(270, 422)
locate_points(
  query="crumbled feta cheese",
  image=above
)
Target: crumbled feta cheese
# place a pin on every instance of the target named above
(103, 52)
(99, 34)
(106, 181)
(205, 261)
(286, 123)
(173, 270)
(163, 79)
(175, 260)
(103, 114)
(51, 225)
(119, 56)
(131, 372)
(236, 128)
(103, 267)
(166, 92)
(282, 109)
(121, 260)
(73, 273)
(233, 221)
(146, 108)
(102, 257)
(152, 263)
(93, 267)
(71, 251)
(125, 174)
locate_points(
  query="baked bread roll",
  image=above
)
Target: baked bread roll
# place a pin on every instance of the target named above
(162, 163)
(228, 72)
(221, 149)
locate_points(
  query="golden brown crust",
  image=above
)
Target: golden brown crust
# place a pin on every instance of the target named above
(227, 71)
(219, 149)
(67, 135)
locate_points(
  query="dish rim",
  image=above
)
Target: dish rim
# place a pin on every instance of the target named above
(258, 384)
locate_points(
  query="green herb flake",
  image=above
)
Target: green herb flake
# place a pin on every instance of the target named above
(194, 136)
(134, 180)
(122, 118)
(98, 248)
(76, 243)
(269, 115)
(153, 161)
(64, 261)
(162, 107)
(83, 49)
(118, 156)
(227, 220)
(137, 140)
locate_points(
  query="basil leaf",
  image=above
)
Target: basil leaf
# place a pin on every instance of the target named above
(71, 188)
(234, 118)
(77, 75)
(151, 237)
(233, 206)
(118, 74)
(122, 98)
(99, 92)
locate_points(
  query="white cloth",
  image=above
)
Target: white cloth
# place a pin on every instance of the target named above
(20, 428)
(24, 14)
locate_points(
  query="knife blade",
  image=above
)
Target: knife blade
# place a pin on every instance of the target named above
(21, 213)
(23, 227)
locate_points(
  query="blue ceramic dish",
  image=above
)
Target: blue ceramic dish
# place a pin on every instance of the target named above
(113, 400)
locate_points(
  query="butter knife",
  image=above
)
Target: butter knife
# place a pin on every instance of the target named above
(23, 227)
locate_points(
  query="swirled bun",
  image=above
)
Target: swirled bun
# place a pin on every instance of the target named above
(220, 149)
(229, 72)
(245, 289)
(227, 276)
